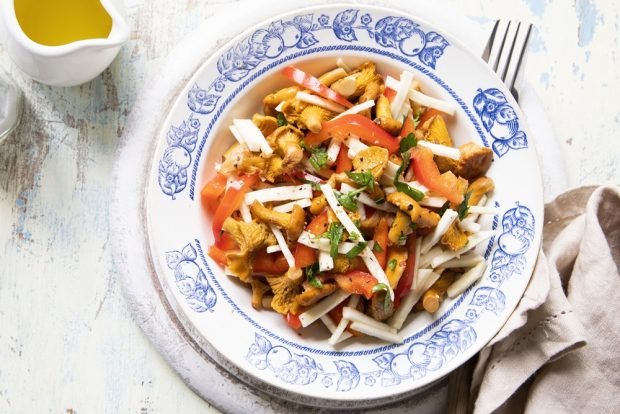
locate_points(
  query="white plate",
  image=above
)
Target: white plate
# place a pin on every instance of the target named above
(305, 368)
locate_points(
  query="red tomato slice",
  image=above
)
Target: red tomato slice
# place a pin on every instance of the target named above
(356, 282)
(427, 173)
(314, 84)
(293, 321)
(230, 202)
(270, 263)
(381, 238)
(212, 191)
(428, 114)
(319, 224)
(218, 255)
(389, 93)
(405, 282)
(408, 126)
(304, 256)
(343, 162)
(357, 125)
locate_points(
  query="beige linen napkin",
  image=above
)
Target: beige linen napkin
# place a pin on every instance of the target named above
(558, 352)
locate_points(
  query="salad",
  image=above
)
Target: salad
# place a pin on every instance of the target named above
(346, 203)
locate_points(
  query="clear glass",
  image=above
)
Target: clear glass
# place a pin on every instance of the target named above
(10, 105)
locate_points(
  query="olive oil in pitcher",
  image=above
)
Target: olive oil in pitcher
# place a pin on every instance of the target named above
(58, 22)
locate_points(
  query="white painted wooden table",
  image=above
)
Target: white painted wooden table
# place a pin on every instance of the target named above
(67, 340)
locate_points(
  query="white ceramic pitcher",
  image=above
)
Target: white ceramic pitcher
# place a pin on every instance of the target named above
(69, 64)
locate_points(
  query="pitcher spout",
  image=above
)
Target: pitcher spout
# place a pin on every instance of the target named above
(120, 31)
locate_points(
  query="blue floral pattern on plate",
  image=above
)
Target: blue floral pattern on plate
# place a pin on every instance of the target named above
(190, 279)
(269, 43)
(500, 120)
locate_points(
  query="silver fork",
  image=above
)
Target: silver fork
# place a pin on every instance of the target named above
(505, 54)
(505, 51)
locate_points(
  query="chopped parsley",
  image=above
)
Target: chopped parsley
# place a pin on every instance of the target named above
(377, 248)
(356, 250)
(403, 187)
(407, 143)
(334, 234)
(443, 208)
(364, 178)
(318, 156)
(282, 119)
(392, 263)
(349, 200)
(311, 276)
(315, 186)
(464, 207)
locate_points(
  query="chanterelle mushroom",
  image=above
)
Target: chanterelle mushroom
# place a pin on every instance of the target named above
(384, 116)
(372, 159)
(475, 161)
(312, 295)
(249, 237)
(292, 222)
(286, 140)
(285, 289)
(422, 217)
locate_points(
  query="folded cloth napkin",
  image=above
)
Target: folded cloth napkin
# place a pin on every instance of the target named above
(557, 353)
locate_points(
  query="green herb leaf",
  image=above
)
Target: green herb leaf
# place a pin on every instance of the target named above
(386, 302)
(353, 236)
(392, 264)
(311, 276)
(380, 201)
(463, 207)
(364, 178)
(377, 248)
(334, 234)
(408, 142)
(318, 159)
(443, 208)
(402, 239)
(403, 187)
(315, 186)
(349, 200)
(416, 118)
(356, 250)
(379, 287)
(281, 119)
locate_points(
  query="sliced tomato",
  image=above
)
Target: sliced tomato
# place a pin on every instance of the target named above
(428, 114)
(381, 238)
(408, 126)
(212, 192)
(293, 321)
(218, 255)
(406, 280)
(319, 224)
(314, 84)
(226, 242)
(304, 256)
(389, 93)
(357, 125)
(356, 282)
(233, 197)
(427, 173)
(270, 263)
(343, 162)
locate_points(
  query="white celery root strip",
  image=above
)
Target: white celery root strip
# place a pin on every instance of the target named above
(284, 193)
(468, 260)
(327, 321)
(416, 268)
(433, 201)
(340, 213)
(288, 207)
(356, 316)
(483, 210)
(290, 259)
(383, 335)
(326, 262)
(332, 151)
(423, 99)
(341, 64)
(252, 136)
(318, 101)
(274, 248)
(342, 325)
(441, 150)
(322, 307)
(402, 92)
(356, 109)
(246, 215)
(442, 226)
(466, 280)
(409, 301)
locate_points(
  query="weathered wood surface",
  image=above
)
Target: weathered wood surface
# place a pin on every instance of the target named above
(67, 340)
